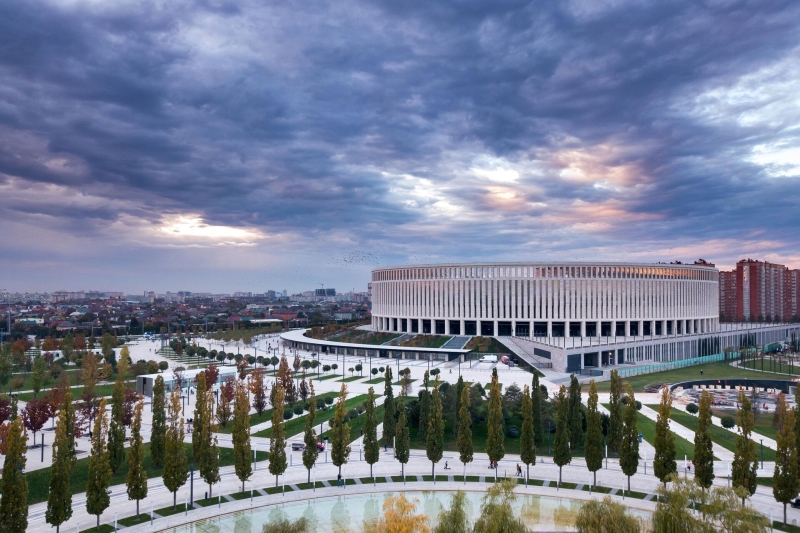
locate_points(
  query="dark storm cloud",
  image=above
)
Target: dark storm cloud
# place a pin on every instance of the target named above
(361, 124)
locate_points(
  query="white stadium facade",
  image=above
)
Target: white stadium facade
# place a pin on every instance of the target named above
(570, 317)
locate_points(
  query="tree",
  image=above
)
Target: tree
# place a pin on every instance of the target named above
(629, 448)
(703, 449)
(35, 414)
(562, 455)
(38, 374)
(614, 433)
(14, 503)
(575, 413)
(536, 410)
(664, 461)
(277, 438)
(388, 409)
(497, 512)
(257, 387)
(434, 443)
(527, 443)
(745, 458)
(310, 453)
(495, 447)
(97, 493)
(241, 434)
(59, 497)
(227, 392)
(159, 429)
(67, 346)
(402, 448)
(207, 452)
(455, 518)
(596, 516)
(370, 443)
(424, 413)
(212, 375)
(340, 432)
(464, 438)
(399, 516)
(785, 480)
(593, 450)
(176, 466)
(136, 480)
(116, 430)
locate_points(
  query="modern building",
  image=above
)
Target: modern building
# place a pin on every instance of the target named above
(758, 291)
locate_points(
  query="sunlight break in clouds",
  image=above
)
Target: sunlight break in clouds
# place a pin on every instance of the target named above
(192, 230)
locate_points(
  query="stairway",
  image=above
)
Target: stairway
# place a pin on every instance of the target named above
(517, 346)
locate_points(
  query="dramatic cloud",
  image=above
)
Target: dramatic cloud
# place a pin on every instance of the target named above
(237, 145)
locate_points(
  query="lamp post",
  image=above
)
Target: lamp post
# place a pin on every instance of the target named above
(548, 437)
(762, 454)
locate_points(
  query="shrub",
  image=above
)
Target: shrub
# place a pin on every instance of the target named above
(435, 372)
(382, 370)
(638, 403)
(326, 368)
(287, 414)
(351, 414)
(298, 410)
(513, 432)
(374, 371)
(692, 409)
(320, 403)
(329, 400)
(360, 409)
(728, 422)
(163, 365)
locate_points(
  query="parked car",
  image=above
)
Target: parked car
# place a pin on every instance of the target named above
(300, 446)
(488, 359)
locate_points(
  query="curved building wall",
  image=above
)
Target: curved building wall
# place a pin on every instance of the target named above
(547, 299)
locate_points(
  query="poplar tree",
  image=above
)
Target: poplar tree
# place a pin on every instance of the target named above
(527, 446)
(664, 461)
(614, 434)
(176, 465)
(464, 439)
(159, 429)
(561, 452)
(785, 482)
(310, 453)
(424, 413)
(136, 479)
(198, 442)
(629, 448)
(59, 497)
(703, 449)
(340, 432)
(97, 493)
(495, 448)
(402, 449)
(434, 444)
(457, 404)
(575, 413)
(388, 409)
(370, 442)
(14, 503)
(745, 459)
(242, 453)
(277, 437)
(116, 430)
(593, 450)
(208, 455)
(536, 409)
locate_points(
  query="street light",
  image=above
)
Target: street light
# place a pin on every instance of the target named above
(762, 454)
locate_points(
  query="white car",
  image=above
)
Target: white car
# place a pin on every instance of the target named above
(488, 359)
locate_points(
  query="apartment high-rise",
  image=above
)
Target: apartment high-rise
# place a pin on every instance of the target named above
(755, 292)
(791, 291)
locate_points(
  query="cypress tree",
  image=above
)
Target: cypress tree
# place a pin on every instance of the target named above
(59, 498)
(495, 447)
(527, 444)
(434, 443)
(664, 461)
(340, 432)
(402, 449)
(242, 453)
(745, 459)
(424, 414)
(629, 448)
(310, 453)
(615, 423)
(703, 450)
(536, 409)
(785, 482)
(388, 409)
(594, 434)
(14, 503)
(371, 448)
(198, 441)
(277, 437)
(575, 414)
(97, 493)
(464, 439)
(159, 429)
(562, 455)
(136, 479)
(116, 431)
(176, 465)
(208, 457)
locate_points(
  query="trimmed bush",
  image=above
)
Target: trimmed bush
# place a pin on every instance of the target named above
(298, 410)
(728, 422)
(692, 409)
(329, 400)
(287, 414)
(513, 432)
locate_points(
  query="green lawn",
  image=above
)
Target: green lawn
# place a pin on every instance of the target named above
(351, 378)
(297, 425)
(376, 381)
(718, 370)
(39, 480)
(100, 390)
(426, 341)
(73, 373)
(768, 364)
(647, 428)
(255, 419)
(721, 436)
(763, 422)
(329, 376)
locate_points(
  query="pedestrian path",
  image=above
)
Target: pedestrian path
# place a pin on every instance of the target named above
(722, 453)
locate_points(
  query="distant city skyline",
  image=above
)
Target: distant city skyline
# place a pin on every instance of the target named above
(243, 146)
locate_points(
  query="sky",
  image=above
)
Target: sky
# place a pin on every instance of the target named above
(219, 146)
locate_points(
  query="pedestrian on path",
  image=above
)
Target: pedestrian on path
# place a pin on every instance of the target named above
(339, 480)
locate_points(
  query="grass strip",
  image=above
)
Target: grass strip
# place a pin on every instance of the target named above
(721, 436)
(295, 426)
